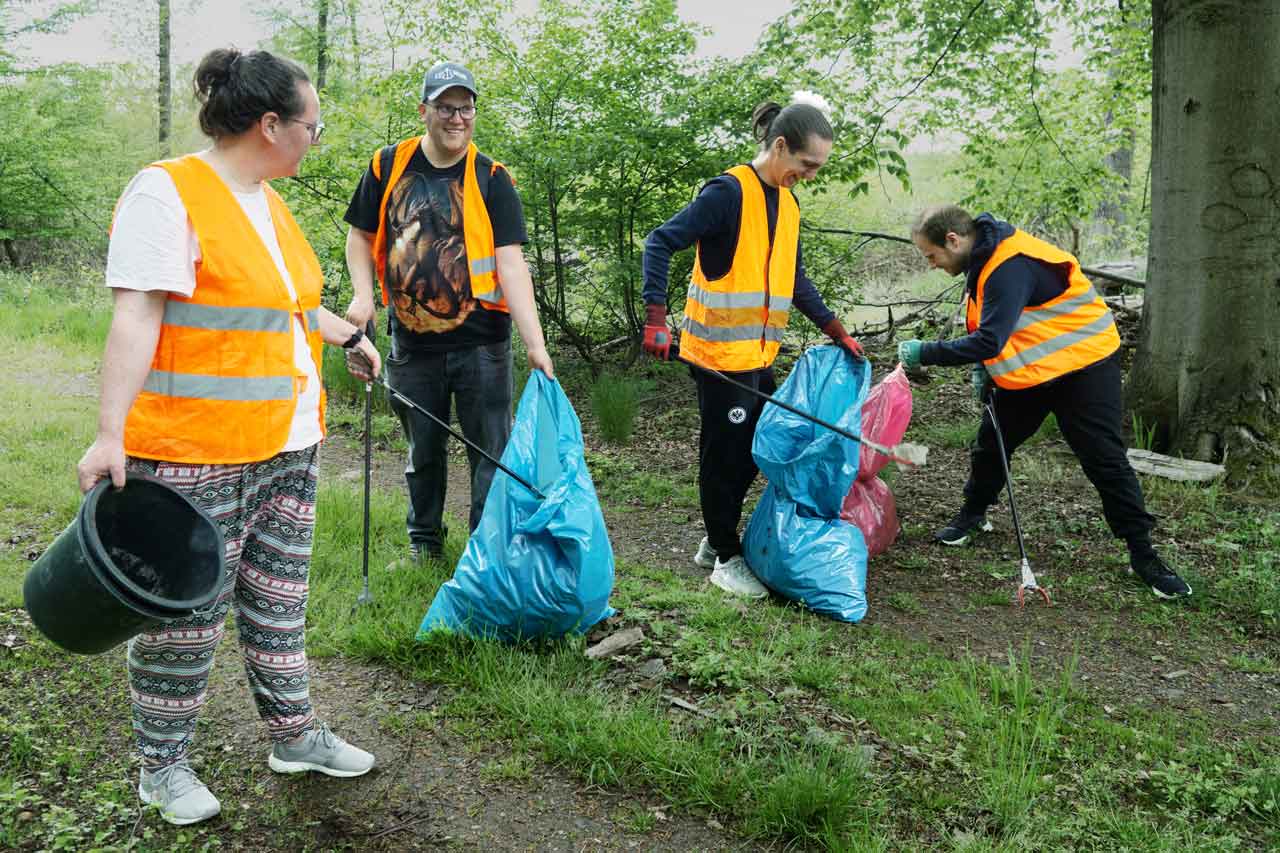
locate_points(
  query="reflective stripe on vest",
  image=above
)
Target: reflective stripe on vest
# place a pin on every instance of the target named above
(194, 385)
(1068, 333)
(726, 334)
(224, 318)
(1029, 356)
(222, 384)
(477, 228)
(736, 322)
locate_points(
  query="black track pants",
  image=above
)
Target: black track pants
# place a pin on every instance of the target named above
(726, 469)
(1088, 405)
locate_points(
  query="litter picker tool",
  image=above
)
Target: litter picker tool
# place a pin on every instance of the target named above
(411, 404)
(365, 596)
(1028, 577)
(905, 453)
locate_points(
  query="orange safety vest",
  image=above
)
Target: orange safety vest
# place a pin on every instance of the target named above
(223, 384)
(737, 321)
(1071, 331)
(477, 230)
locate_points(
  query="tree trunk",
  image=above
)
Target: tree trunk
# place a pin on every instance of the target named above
(1207, 371)
(11, 252)
(353, 13)
(322, 42)
(164, 100)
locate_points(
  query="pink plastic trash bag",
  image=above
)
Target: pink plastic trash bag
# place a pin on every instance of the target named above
(870, 507)
(869, 503)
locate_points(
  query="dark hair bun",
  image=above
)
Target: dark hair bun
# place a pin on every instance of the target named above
(214, 71)
(762, 117)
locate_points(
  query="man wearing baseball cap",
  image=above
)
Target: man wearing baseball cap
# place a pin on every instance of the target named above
(440, 226)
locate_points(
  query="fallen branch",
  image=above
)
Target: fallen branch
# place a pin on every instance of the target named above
(1090, 271)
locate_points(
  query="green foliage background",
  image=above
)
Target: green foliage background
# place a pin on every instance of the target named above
(611, 120)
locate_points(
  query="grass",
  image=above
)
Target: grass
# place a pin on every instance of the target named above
(615, 399)
(808, 733)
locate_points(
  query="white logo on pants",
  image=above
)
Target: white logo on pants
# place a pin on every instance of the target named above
(737, 415)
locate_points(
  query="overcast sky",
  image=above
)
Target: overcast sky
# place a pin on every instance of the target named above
(213, 23)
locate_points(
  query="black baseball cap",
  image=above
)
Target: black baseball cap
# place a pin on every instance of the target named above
(446, 75)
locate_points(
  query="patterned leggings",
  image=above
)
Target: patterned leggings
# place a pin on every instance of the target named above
(266, 512)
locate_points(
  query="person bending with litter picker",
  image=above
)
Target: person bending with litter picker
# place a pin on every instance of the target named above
(440, 225)
(1040, 332)
(747, 273)
(211, 382)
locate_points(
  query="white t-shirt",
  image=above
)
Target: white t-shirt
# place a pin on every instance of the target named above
(154, 247)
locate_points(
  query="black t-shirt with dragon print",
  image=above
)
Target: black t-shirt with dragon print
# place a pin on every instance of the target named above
(427, 255)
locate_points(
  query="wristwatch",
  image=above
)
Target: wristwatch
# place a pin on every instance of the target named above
(356, 337)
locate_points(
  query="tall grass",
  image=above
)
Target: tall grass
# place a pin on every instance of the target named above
(615, 399)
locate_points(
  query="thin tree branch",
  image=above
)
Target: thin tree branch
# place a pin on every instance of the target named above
(933, 69)
(1090, 271)
(1035, 53)
(92, 219)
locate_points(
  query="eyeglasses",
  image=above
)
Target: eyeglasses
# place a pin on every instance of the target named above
(446, 112)
(317, 129)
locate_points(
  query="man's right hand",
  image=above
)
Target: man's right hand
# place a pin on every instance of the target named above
(360, 312)
(657, 338)
(540, 359)
(104, 458)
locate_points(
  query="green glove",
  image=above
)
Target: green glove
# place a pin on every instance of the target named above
(909, 354)
(978, 377)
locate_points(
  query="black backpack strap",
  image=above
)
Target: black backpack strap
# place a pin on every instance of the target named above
(386, 160)
(483, 178)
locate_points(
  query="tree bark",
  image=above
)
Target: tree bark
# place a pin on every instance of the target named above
(1207, 371)
(11, 252)
(353, 14)
(322, 42)
(164, 101)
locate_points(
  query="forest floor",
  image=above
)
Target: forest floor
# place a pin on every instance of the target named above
(947, 719)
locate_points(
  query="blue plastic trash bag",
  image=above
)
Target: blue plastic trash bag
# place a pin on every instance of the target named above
(795, 542)
(533, 568)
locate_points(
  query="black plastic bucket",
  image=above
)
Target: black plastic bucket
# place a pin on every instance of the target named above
(131, 559)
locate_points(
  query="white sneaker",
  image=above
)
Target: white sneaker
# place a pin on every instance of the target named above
(706, 557)
(734, 575)
(179, 793)
(320, 749)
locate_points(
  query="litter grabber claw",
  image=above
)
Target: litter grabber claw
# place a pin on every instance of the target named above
(1028, 583)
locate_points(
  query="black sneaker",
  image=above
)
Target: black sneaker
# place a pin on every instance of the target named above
(1155, 573)
(963, 526)
(419, 554)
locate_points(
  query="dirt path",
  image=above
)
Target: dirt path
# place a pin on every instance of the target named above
(430, 789)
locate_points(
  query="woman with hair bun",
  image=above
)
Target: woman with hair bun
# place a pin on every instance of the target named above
(747, 273)
(211, 382)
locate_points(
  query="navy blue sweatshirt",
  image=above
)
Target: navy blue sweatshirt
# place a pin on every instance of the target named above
(711, 220)
(1015, 284)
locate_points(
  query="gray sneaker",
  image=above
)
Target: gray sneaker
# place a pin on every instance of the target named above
(706, 557)
(735, 576)
(179, 793)
(320, 749)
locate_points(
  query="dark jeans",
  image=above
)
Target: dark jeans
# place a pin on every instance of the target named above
(1088, 406)
(726, 468)
(479, 380)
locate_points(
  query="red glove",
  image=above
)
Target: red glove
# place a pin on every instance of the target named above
(657, 340)
(841, 338)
